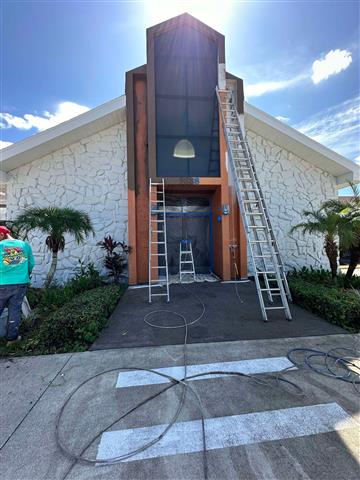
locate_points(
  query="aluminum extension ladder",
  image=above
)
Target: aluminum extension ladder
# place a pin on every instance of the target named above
(186, 258)
(157, 241)
(269, 272)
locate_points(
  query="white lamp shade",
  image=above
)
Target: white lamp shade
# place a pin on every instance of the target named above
(184, 149)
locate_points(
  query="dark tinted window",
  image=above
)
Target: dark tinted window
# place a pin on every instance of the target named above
(186, 106)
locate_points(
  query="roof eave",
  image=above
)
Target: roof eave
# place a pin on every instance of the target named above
(43, 143)
(343, 169)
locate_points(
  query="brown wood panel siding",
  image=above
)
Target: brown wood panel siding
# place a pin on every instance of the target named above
(217, 232)
(136, 123)
(243, 264)
(239, 91)
(225, 200)
(141, 179)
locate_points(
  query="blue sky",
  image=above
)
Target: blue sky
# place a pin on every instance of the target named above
(299, 59)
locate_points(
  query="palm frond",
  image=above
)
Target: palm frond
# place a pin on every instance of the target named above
(55, 222)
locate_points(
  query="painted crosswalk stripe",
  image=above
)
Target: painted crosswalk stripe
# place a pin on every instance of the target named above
(223, 432)
(258, 365)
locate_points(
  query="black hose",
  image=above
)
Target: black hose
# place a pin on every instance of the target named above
(338, 361)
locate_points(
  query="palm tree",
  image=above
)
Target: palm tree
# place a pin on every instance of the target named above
(55, 223)
(325, 222)
(349, 233)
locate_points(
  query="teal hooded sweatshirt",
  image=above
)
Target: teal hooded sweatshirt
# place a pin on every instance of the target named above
(16, 262)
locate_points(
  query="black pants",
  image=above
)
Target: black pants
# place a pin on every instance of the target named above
(12, 296)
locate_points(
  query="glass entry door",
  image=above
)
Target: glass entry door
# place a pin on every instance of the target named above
(189, 218)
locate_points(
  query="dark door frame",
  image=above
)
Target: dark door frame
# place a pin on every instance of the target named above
(211, 240)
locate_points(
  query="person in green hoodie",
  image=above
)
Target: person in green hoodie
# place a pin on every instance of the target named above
(16, 265)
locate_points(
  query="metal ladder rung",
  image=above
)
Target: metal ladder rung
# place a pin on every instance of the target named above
(259, 241)
(188, 253)
(274, 308)
(157, 208)
(242, 167)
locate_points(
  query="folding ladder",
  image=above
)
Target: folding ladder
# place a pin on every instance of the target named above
(269, 272)
(186, 259)
(158, 263)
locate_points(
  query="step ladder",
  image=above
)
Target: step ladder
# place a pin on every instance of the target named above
(186, 259)
(158, 263)
(269, 272)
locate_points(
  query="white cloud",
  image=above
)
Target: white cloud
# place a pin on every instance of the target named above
(258, 89)
(357, 159)
(334, 62)
(4, 144)
(63, 112)
(337, 127)
(283, 119)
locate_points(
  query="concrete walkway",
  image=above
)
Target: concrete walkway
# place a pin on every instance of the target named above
(253, 431)
(229, 316)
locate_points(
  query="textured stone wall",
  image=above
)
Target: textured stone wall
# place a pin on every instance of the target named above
(90, 175)
(290, 185)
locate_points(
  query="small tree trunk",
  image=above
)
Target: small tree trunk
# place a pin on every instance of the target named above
(354, 261)
(52, 270)
(331, 250)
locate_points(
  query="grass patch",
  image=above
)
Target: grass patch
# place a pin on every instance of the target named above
(316, 291)
(74, 326)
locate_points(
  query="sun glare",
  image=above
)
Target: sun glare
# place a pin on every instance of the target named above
(214, 13)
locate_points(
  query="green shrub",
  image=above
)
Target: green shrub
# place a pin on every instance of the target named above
(86, 278)
(323, 277)
(77, 324)
(335, 304)
(50, 299)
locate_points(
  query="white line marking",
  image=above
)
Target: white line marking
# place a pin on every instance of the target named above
(224, 432)
(258, 365)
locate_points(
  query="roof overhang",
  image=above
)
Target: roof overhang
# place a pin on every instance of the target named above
(66, 133)
(343, 169)
(113, 112)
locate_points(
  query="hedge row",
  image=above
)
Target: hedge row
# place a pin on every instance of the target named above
(338, 306)
(77, 324)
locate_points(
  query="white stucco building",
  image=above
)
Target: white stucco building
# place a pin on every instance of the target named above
(100, 162)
